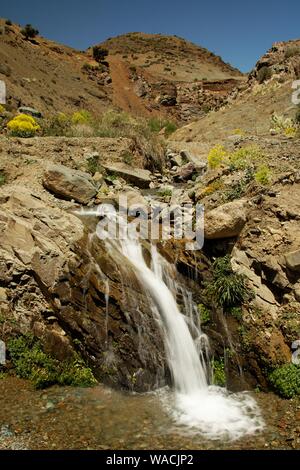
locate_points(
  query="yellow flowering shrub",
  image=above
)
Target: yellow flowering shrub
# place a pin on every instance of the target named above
(81, 117)
(245, 156)
(282, 125)
(238, 131)
(2, 109)
(290, 131)
(263, 175)
(23, 125)
(217, 156)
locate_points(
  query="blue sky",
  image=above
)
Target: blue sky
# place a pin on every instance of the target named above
(240, 31)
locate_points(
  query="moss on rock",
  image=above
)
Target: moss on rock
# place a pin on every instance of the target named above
(31, 362)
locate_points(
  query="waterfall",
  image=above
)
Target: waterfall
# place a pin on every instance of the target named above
(204, 408)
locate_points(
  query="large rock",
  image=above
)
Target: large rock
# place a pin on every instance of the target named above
(199, 164)
(264, 298)
(225, 221)
(136, 176)
(59, 283)
(30, 111)
(70, 184)
(292, 260)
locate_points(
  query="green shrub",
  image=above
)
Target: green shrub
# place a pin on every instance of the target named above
(245, 156)
(226, 288)
(58, 125)
(89, 67)
(239, 188)
(8, 22)
(165, 192)
(219, 376)
(29, 32)
(42, 370)
(2, 178)
(263, 175)
(204, 314)
(156, 125)
(265, 73)
(236, 312)
(99, 53)
(93, 165)
(286, 380)
(292, 51)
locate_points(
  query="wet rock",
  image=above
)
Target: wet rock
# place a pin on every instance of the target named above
(136, 176)
(70, 184)
(67, 273)
(225, 221)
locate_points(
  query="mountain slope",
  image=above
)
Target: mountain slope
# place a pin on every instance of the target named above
(170, 57)
(249, 108)
(52, 77)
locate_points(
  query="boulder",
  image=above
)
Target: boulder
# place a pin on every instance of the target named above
(70, 184)
(185, 172)
(137, 176)
(5, 70)
(199, 165)
(292, 260)
(225, 221)
(31, 111)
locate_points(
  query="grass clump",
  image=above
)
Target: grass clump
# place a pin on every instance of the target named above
(286, 380)
(156, 125)
(291, 51)
(31, 362)
(219, 375)
(23, 125)
(227, 289)
(165, 192)
(81, 117)
(204, 314)
(265, 73)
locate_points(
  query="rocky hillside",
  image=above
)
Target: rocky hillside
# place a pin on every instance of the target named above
(249, 108)
(146, 75)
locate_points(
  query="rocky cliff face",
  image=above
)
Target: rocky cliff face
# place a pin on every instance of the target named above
(62, 285)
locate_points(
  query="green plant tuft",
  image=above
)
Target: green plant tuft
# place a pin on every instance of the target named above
(286, 380)
(204, 314)
(226, 288)
(263, 175)
(265, 73)
(219, 375)
(31, 362)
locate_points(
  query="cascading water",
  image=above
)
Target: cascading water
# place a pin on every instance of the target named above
(209, 410)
